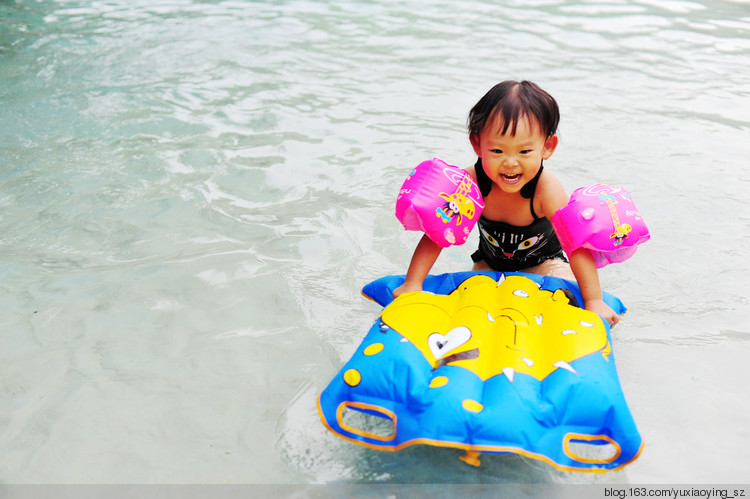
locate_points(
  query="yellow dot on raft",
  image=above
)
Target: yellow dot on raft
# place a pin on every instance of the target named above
(373, 349)
(472, 405)
(352, 377)
(438, 382)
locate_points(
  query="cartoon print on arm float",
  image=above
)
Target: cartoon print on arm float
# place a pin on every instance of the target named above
(621, 230)
(458, 204)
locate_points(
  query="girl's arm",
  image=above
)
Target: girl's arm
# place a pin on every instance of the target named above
(583, 267)
(553, 197)
(422, 261)
(424, 257)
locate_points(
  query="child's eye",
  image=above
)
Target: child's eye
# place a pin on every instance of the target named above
(497, 151)
(526, 151)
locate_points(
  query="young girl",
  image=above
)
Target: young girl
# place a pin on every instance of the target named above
(512, 130)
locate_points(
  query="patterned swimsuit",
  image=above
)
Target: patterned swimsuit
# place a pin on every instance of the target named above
(506, 247)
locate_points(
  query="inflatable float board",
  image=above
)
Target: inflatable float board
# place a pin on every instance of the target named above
(486, 362)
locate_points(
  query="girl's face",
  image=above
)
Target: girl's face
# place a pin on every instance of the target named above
(512, 160)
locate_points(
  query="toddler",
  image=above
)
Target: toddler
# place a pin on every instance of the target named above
(513, 130)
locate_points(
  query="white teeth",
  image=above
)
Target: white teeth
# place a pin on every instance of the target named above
(569, 331)
(586, 324)
(500, 280)
(564, 365)
(528, 362)
(539, 319)
(509, 373)
(490, 318)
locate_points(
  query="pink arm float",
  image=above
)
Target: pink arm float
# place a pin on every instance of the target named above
(603, 219)
(441, 200)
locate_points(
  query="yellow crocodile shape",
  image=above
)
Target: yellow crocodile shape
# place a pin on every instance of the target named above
(491, 327)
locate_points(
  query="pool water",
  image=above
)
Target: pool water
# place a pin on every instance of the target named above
(193, 193)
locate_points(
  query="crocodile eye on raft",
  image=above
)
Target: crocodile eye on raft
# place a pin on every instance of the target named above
(486, 362)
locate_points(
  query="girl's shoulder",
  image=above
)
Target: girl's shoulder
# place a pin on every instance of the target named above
(550, 193)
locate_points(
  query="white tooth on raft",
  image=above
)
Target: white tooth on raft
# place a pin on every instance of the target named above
(501, 280)
(566, 332)
(586, 324)
(528, 362)
(404, 340)
(564, 365)
(509, 373)
(521, 293)
(539, 319)
(490, 318)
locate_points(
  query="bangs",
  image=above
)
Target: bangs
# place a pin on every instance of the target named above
(509, 102)
(506, 116)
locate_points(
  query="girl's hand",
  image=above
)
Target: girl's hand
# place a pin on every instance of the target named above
(601, 308)
(406, 287)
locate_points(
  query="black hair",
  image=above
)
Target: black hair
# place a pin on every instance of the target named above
(513, 100)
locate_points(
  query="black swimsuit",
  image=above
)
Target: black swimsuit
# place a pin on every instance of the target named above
(506, 247)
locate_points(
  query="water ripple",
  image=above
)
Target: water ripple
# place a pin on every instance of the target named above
(194, 192)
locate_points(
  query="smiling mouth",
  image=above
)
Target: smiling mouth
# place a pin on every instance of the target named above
(511, 179)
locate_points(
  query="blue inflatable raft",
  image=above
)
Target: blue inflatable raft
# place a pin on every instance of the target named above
(486, 362)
